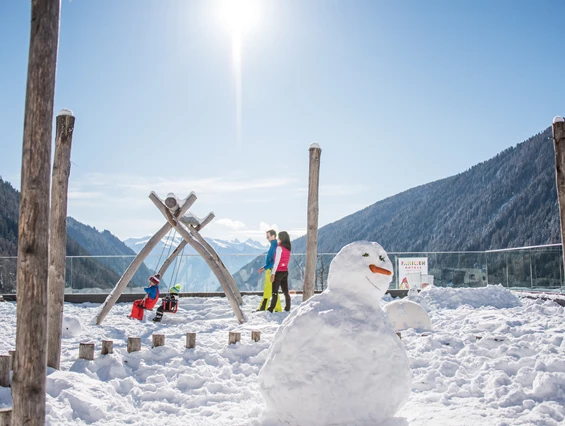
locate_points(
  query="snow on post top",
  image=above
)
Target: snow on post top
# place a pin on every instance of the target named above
(558, 119)
(314, 145)
(66, 111)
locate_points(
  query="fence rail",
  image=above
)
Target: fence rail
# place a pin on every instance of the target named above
(526, 268)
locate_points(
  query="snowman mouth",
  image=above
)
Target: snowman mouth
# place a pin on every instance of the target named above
(373, 284)
(378, 270)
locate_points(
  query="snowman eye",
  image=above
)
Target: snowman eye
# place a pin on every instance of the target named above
(365, 254)
(382, 258)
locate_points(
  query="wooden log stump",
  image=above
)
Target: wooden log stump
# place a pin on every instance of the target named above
(86, 351)
(234, 337)
(134, 344)
(158, 340)
(5, 370)
(107, 347)
(255, 335)
(5, 416)
(190, 340)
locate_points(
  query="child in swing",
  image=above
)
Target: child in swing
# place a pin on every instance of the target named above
(169, 304)
(150, 299)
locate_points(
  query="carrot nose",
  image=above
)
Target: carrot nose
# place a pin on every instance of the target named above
(379, 270)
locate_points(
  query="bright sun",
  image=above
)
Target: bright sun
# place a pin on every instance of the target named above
(239, 16)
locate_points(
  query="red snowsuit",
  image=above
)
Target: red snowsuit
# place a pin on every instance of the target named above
(146, 303)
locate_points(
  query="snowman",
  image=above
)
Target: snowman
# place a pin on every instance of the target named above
(336, 360)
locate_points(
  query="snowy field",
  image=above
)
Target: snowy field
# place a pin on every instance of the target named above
(492, 359)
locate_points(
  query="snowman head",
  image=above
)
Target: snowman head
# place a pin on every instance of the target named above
(363, 268)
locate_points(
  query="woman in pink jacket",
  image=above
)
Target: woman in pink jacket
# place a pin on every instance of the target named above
(279, 274)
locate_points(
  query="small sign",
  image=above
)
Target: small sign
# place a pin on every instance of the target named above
(411, 269)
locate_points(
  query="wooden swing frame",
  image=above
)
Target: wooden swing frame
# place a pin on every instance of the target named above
(173, 210)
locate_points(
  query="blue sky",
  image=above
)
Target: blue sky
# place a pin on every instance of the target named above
(397, 94)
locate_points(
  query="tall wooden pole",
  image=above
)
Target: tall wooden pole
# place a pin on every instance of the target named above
(28, 380)
(559, 144)
(312, 225)
(58, 234)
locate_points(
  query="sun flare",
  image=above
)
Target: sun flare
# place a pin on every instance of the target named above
(239, 15)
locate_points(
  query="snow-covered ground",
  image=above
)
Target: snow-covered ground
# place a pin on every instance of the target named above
(491, 359)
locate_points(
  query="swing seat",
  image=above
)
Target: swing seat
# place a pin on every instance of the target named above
(170, 306)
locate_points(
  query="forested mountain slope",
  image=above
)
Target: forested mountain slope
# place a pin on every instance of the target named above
(82, 240)
(507, 201)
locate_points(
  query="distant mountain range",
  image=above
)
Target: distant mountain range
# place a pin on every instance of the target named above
(190, 270)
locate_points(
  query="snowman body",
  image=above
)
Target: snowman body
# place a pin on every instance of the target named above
(336, 359)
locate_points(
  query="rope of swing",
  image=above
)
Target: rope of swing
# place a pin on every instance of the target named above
(167, 243)
(177, 267)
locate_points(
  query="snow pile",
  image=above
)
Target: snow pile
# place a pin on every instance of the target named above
(405, 314)
(489, 366)
(71, 327)
(495, 296)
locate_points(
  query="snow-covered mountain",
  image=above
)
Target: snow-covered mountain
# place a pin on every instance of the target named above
(190, 270)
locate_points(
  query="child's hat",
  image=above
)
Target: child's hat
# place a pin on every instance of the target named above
(154, 280)
(175, 289)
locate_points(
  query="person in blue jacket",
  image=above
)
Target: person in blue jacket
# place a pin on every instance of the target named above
(150, 299)
(269, 262)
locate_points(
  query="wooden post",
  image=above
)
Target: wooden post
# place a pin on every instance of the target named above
(86, 351)
(192, 237)
(255, 335)
(58, 234)
(190, 340)
(12, 359)
(6, 416)
(107, 347)
(205, 221)
(158, 340)
(234, 337)
(5, 370)
(136, 263)
(559, 144)
(29, 378)
(312, 225)
(134, 344)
